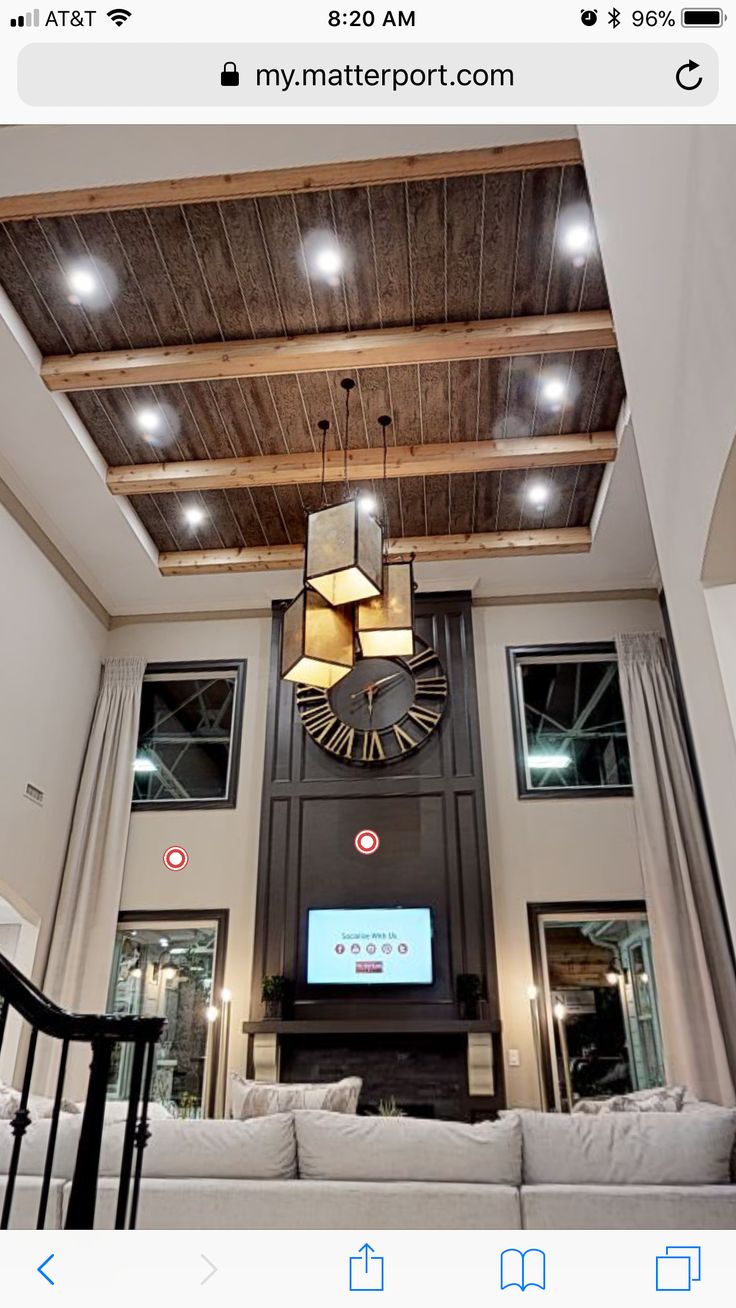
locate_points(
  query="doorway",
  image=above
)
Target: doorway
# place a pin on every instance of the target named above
(599, 1029)
(18, 940)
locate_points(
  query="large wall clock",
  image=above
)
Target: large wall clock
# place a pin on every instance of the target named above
(383, 710)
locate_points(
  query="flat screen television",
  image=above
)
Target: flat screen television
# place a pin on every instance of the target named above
(369, 946)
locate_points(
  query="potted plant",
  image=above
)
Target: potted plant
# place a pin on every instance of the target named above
(273, 993)
(469, 990)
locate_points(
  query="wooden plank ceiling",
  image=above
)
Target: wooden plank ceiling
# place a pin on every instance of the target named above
(450, 249)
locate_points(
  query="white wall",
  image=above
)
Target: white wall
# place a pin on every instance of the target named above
(222, 843)
(544, 850)
(665, 204)
(50, 656)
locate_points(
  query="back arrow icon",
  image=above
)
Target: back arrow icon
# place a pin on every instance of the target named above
(689, 67)
(209, 1275)
(42, 1272)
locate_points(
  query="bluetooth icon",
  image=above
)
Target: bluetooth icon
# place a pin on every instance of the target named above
(614, 17)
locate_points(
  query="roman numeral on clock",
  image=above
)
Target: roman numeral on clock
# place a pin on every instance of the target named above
(424, 717)
(421, 659)
(404, 741)
(427, 687)
(372, 747)
(342, 741)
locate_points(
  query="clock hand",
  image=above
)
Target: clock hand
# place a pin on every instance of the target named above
(371, 689)
(385, 680)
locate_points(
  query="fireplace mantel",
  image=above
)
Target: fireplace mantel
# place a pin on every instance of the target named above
(266, 1036)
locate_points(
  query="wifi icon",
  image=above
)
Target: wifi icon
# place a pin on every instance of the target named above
(119, 16)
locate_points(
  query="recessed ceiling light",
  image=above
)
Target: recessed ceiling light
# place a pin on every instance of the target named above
(576, 238)
(193, 516)
(553, 390)
(328, 260)
(82, 282)
(148, 420)
(538, 494)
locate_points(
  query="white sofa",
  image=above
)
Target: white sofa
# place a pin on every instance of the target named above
(320, 1170)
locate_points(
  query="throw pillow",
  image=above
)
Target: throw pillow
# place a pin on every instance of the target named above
(660, 1099)
(38, 1105)
(261, 1098)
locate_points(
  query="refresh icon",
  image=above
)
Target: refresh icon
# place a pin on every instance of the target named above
(684, 72)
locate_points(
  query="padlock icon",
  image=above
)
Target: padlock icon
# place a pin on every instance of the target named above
(230, 75)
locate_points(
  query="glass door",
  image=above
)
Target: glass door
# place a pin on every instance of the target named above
(170, 969)
(601, 1028)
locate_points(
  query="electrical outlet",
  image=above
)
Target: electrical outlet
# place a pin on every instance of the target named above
(514, 1058)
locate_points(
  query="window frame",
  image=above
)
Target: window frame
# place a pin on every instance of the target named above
(203, 666)
(596, 651)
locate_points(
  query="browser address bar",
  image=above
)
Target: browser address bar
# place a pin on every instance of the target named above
(377, 75)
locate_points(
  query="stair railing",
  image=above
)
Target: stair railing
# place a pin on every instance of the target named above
(101, 1032)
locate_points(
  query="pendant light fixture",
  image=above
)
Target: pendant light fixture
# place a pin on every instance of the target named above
(317, 641)
(385, 624)
(344, 542)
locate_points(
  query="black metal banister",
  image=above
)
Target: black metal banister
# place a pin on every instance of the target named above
(49, 1019)
(101, 1031)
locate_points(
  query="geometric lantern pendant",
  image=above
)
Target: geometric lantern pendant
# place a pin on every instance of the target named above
(344, 553)
(385, 625)
(317, 643)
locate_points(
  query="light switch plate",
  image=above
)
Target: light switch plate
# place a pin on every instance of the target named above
(514, 1058)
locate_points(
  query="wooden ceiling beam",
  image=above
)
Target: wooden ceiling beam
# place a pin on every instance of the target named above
(331, 351)
(291, 181)
(429, 460)
(425, 549)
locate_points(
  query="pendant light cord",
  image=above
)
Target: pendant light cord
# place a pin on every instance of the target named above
(385, 422)
(324, 427)
(348, 385)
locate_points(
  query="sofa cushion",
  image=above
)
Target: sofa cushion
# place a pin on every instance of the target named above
(258, 1098)
(26, 1198)
(629, 1207)
(314, 1206)
(333, 1147)
(35, 1144)
(262, 1149)
(627, 1148)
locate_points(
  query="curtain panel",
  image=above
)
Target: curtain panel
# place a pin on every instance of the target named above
(78, 966)
(696, 983)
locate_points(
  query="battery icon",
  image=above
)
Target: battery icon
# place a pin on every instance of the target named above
(702, 18)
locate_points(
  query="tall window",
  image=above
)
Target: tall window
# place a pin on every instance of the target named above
(569, 725)
(189, 735)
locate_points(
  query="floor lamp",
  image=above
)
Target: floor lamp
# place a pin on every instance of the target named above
(533, 993)
(226, 998)
(560, 1015)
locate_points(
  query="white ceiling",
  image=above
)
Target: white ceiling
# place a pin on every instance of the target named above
(50, 464)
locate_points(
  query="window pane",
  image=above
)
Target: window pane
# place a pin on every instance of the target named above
(184, 738)
(574, 724)
(163, 972)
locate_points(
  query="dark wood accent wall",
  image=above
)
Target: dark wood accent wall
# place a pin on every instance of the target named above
(429, 813)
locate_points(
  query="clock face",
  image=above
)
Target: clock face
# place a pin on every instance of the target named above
(383, 710)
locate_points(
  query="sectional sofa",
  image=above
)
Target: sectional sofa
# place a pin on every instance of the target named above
(322, 1170)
